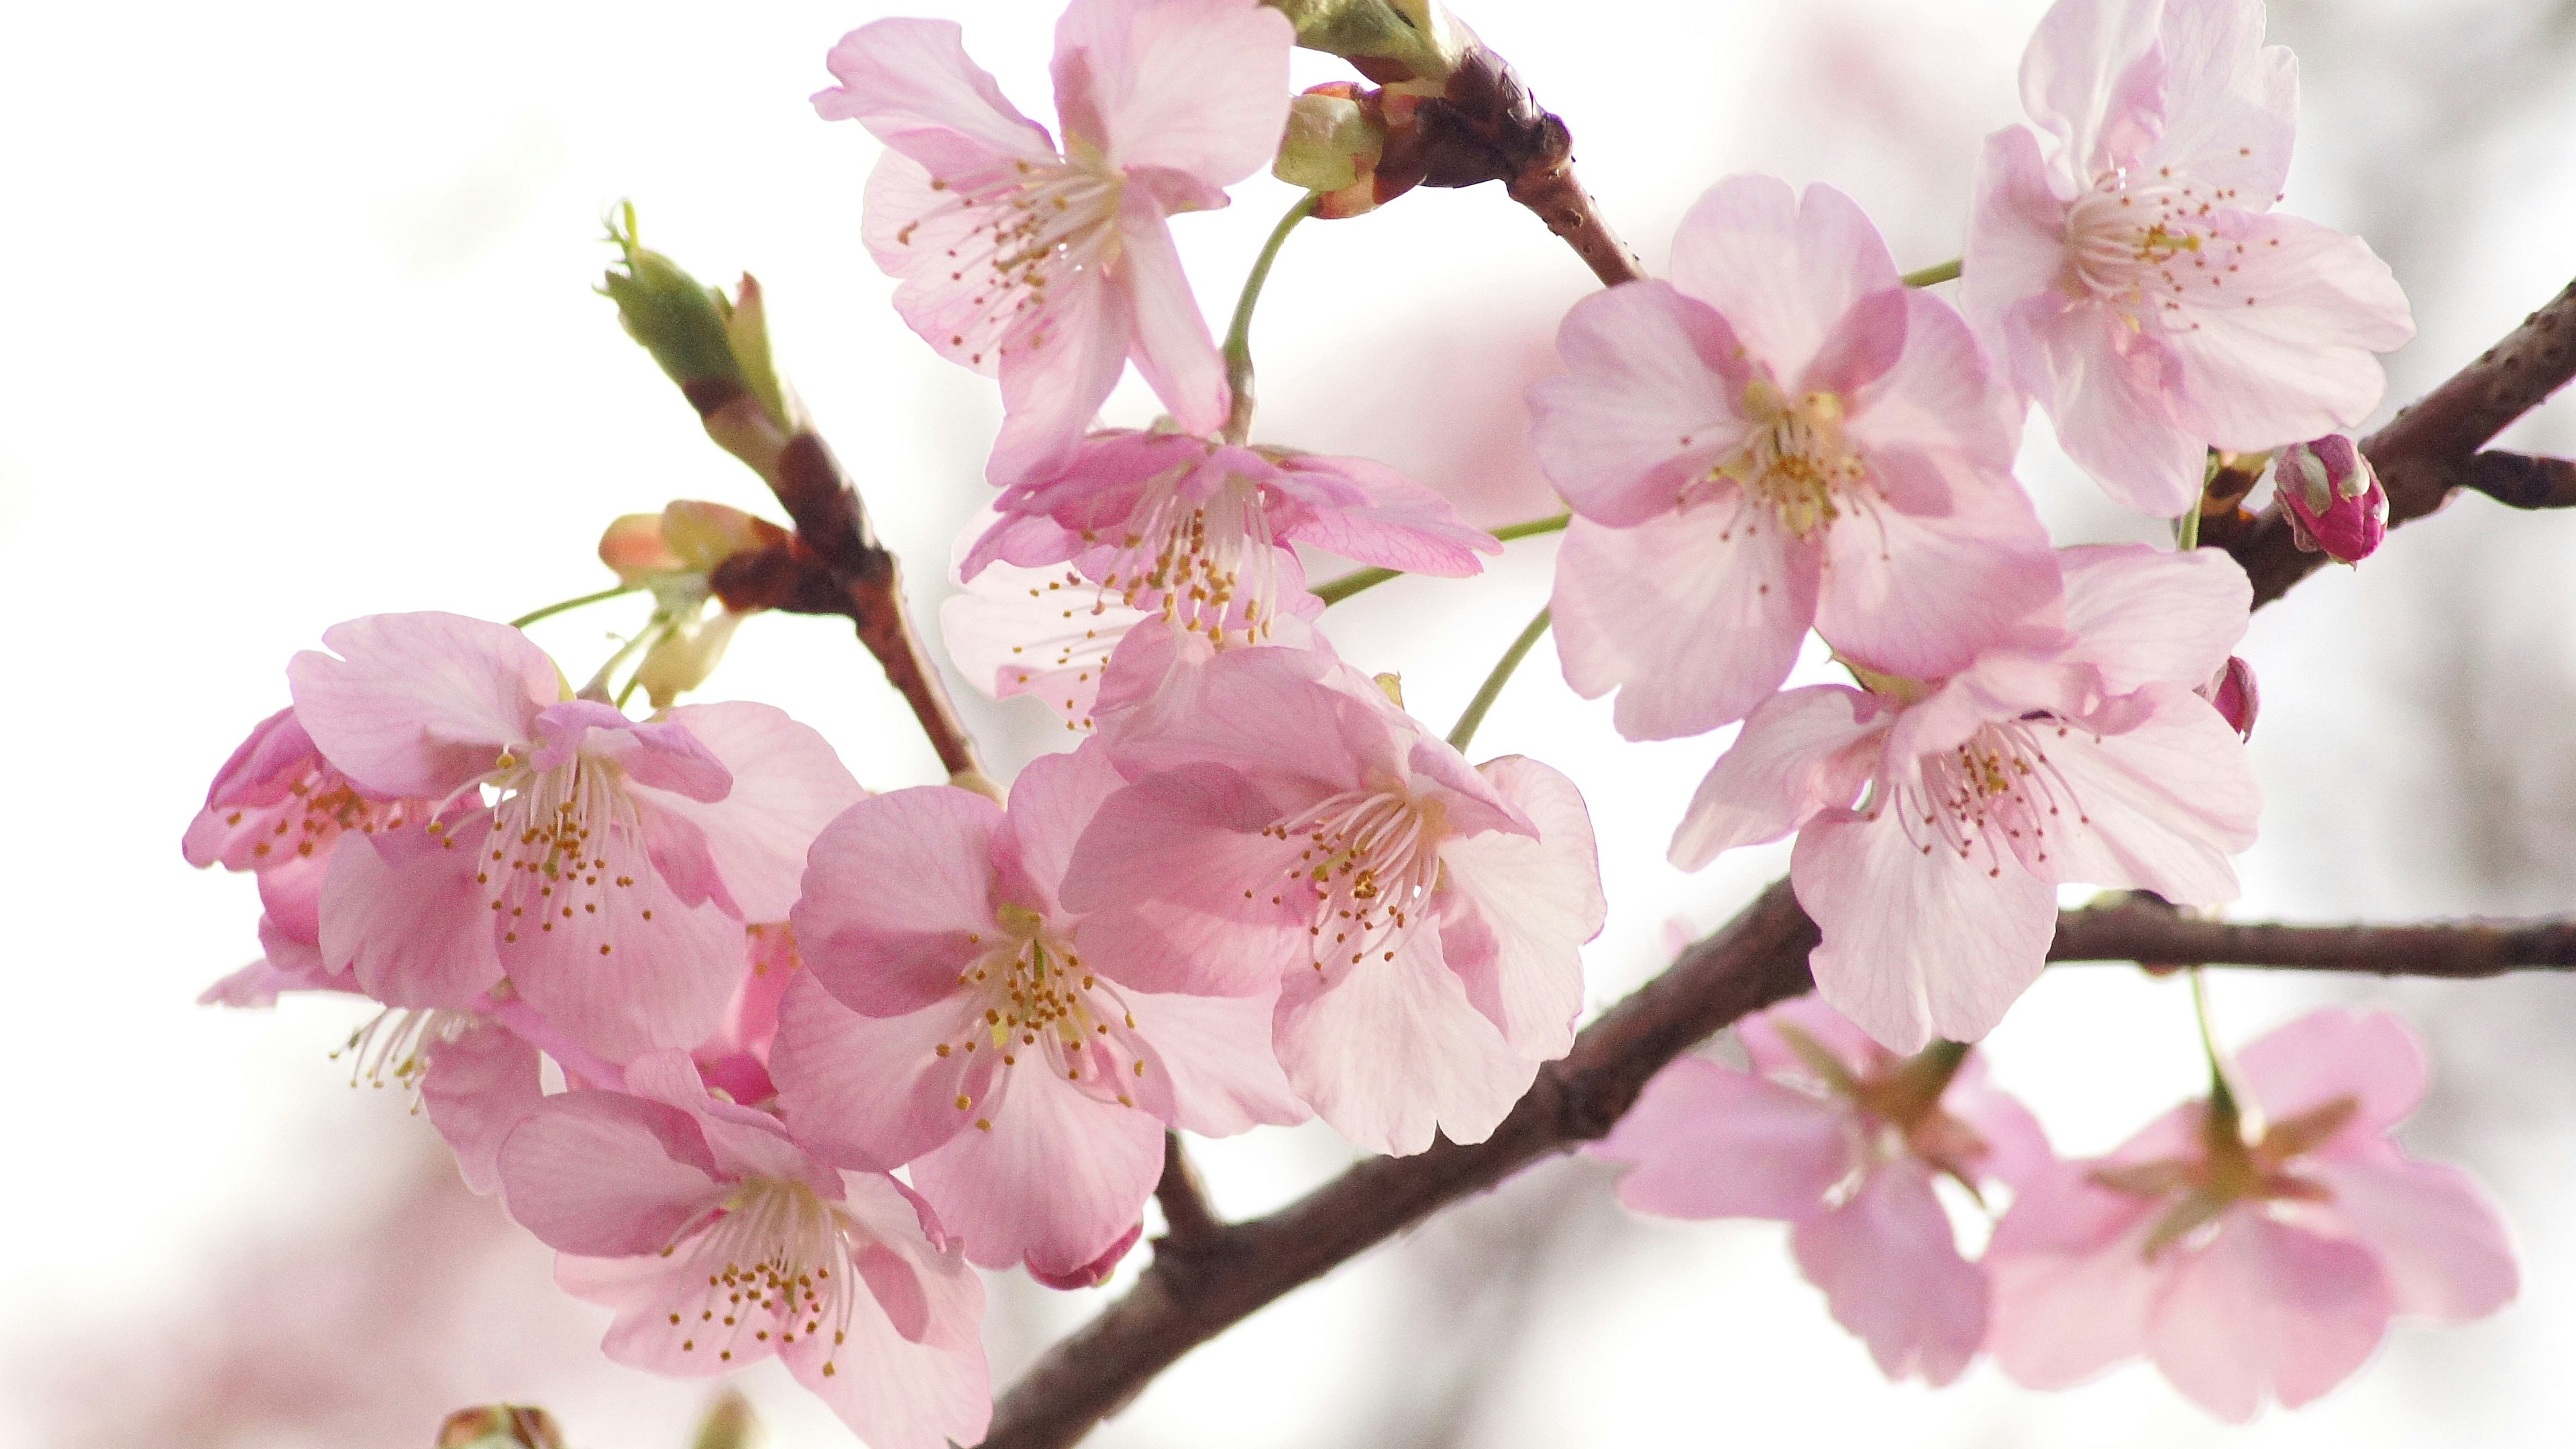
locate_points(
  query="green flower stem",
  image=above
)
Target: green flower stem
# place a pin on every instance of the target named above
(1932, 275)
(550, 610)
(1333, 591)
(1238, 335)
(1494, 682)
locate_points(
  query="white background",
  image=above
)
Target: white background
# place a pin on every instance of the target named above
(298, 328)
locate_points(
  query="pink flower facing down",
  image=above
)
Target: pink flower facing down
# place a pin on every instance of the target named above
(2254, 1249)
(611, 874)
(1054, 267)
(1833, 1133)
(1782, 435)
(2134, 280)
(1188, 530)
(1937, 818)
(1287, 821)
(954, 1015)
(719, 1241)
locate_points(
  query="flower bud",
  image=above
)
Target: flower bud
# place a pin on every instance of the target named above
(2332, 498)
(500, 1426)
(715, 348)
(686, 654)
(1389, 41)
(677, 548)
(1332, 147)
(2232, 693)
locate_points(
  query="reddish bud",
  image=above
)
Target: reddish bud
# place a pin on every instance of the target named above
(2332, 498)
(2232, 693)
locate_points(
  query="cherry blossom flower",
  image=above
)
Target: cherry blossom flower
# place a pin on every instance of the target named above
(1289, 828)
(2333, 498)
(1833, 1133)
(1053, 267)
(1782, 435)
(1936, 818)
(2251, 1247)
(719, 1241)
(1188, 530)
(615, 864)
(954, 1015)
(2135, 281)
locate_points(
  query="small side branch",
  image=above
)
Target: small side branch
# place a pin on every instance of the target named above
(1187, 1218)
(2454, 950)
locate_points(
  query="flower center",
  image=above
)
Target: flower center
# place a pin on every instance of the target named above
(1207, 564)
(1796, 462)
(1031, 224)
(321, 806)
(1997, 780)
(1043, 1009)
(777, 1262)
(2147, 245)
(552, 834)
(1370, 861)
(397, 1042)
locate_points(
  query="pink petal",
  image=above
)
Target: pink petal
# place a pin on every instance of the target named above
(1773, 1057)
(910, 82)
(2107, 387)
(2445, 1250)
(1216, 1053)
(2231, 103)
(2016, 1145)
(1058, 368)
(1174, 353)
(1920, 595)
(1394, 1049)
(1401, 525)
(1515, 912)
(418, 704)
(2072, 1286)
(1199, 87)
(2093, 77)
(404, 912)
(641, 970)
(1172, 873)
(915, 229)
(1694, 618)
(1706, 1141)
(787, 785)
(893, 890)
(1781, 268)
(1052, 802)
(645, 1292)
(2016, 248)
(2141, 614)
(2372, 1057)
(1891, 1271)
(1918, 944)
(2158, 807)
(478, 1087)
(1055, 1179)
(1650, 405)
(2265, 1307)
(607, 1175)
(1939, 402)
(2283, 350)
(875, 1092)
(1802, 751)
(892, 1393)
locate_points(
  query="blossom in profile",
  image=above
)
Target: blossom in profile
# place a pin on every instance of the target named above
(1936, 818)
(2251, 1247)
(1783, 435)
(2135, 280)
(955, 1016)
(2333, 498)
(605, 866)
(1051, 264)
(1290, 829)
(719, 1241)
(1842, 1138)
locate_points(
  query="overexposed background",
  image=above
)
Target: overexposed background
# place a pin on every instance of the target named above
(299, 329)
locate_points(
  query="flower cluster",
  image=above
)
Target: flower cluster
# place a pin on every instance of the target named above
(775, 1063)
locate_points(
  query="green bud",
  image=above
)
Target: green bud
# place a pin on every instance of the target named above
(500, 1426)
(1331, 143)
(730, 1424)
(1415, 37)
(681, 321)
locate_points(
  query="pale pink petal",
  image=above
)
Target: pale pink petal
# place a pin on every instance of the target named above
(1052, 803)
(419, 704)
(2017, 1147)
(2372, 1057)
(1058, 367)
(1781, 268)
(2231, 103)
(901, 1225)
(2108, 390)
(1694, 618)
(1918, 944)
(1772, 1055)
(291, 893)
(2283, 350)
(1939, 403)
(1199, 86)
(1515, 912)
(1041, 632)
(2266, 1308)
(479, 1086)
(2141, 614)
(645, 1292)
(404, 911)
(2159, 807)
(910, 80)
(1802, 751)
(1891, 1271)
(876, 1091)
(1650, 404)
(1919, 595)
(1215, 1051)
(895, 887)
(1394, 1049)
(1172, 874)
(2072, 1286)
(607, 1175)
(633, 969)
(787, 785)
(1174, 352)
(916, 230)
(2016, 248)
(1706, 1141)
(892, 1393)
(1401, 525)
(2446, 1251)
(653, 754)
(1055, 1178)
(2093, 77)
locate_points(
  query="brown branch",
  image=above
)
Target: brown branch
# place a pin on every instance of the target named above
(2431, 449)
(2519, 480)
(2455, 950)
(1187, 1218)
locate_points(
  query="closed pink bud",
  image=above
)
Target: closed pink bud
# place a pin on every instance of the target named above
(2231, 691)
(2332, 497)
